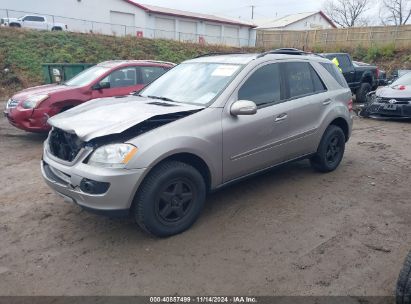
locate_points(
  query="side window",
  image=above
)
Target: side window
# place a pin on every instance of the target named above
(318, 83)
(298, 78)
(335, 73)
(149, 74)
(34, 18)
(263, 86)
(344, 61)
(125, 77)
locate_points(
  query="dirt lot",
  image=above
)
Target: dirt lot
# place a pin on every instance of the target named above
(289, 232)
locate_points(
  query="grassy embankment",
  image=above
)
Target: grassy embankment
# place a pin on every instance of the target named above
(23, 51)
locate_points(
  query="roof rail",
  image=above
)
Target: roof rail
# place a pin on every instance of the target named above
(285, 51)
(217, 53)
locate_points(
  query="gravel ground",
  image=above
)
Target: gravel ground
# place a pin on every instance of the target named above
(291, 231)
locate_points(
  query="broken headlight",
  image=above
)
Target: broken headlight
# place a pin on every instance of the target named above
(112, 156)
(33, 101)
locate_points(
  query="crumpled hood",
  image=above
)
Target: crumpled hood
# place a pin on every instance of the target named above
(43, 89)
(113, 115)
(389, 92)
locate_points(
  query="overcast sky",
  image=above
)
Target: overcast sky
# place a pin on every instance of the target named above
(241, 8)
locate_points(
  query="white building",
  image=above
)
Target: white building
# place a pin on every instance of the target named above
(297, 22)
(126, 17)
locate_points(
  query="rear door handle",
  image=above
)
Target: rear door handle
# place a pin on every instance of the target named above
(327, 101)
(281, 117)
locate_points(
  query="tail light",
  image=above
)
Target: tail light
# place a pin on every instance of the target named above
(377, 72)
(350, 105)
(66, 26)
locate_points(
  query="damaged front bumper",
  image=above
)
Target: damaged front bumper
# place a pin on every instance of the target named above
(108, 191)
(388, 108)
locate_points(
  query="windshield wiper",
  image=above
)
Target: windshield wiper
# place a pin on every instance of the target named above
(161, 98)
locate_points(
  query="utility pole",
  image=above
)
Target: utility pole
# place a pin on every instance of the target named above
(252, 11)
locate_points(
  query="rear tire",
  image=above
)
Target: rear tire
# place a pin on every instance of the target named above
(170, 199)
(403, 292)
(56, 29)
(330, 151)
(363, 90)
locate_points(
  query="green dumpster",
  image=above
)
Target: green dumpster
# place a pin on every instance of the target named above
(59, 72)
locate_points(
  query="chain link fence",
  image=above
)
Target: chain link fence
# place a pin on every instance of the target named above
(96, 27)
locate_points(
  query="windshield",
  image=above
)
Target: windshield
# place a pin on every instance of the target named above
(192, 83)
(87, 76)
(403, 80)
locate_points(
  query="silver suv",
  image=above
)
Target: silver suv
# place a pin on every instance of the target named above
(208, 122)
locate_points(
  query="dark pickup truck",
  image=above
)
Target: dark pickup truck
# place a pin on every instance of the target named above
(361, 79)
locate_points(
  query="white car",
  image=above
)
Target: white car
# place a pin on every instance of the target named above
(33, 22)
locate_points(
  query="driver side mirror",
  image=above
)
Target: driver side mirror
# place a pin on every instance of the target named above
(101, 85)
(243, 107)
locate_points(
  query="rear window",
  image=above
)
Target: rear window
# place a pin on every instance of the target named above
(302, 79)
(335, 73)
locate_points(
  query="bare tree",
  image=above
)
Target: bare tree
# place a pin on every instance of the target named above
(347, 13)
(396, 12)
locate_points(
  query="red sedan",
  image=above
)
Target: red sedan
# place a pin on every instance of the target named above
(30, 108)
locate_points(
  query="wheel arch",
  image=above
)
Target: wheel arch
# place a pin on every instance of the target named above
(367, 78)
(343, 124)
(190, 159)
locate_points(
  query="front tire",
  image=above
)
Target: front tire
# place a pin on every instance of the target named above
(403, 294)
(363, 90)
(170, 199)
(330, 151)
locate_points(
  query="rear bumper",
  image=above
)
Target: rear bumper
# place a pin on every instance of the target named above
(116, 200)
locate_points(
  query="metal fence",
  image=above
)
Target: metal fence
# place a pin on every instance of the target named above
(399, 36)
(105, 28)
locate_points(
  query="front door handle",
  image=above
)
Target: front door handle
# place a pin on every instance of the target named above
(327, 101)
(281, 117)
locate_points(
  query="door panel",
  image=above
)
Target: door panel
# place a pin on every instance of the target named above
(250, 143)
(281, 130)
(347, 68)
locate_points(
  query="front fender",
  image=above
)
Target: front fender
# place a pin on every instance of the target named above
(207, 151)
